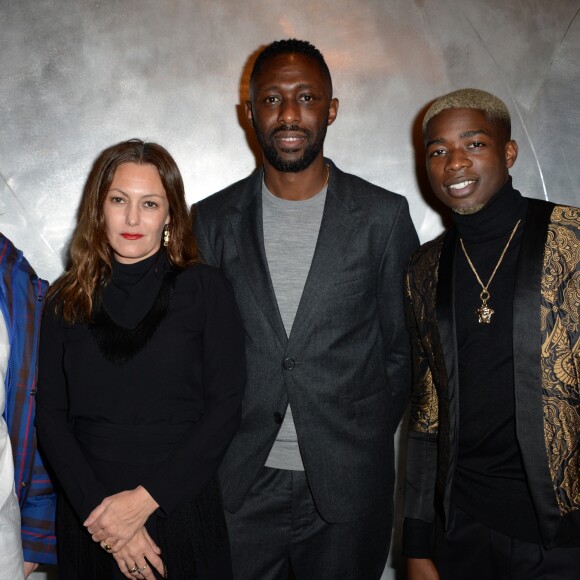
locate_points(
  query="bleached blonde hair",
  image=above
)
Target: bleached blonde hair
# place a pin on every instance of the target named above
(494, 108)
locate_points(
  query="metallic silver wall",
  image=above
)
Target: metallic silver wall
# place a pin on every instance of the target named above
(79, 76)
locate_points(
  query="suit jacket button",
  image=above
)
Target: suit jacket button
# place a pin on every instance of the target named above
(288, 364)
(278, 418)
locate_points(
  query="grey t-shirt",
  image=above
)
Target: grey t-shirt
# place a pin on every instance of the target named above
(290, 234)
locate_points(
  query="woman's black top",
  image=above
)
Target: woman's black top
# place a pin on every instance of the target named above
(148, 394)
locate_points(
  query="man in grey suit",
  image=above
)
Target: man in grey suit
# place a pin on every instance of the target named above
(316, 258)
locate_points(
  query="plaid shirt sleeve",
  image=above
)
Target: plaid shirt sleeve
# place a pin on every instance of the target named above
(22, 294)
(38, 515)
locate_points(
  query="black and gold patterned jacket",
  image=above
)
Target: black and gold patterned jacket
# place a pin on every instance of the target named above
(546, 371)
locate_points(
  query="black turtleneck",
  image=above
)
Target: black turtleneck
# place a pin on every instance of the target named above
(133, 288)
(489, 481)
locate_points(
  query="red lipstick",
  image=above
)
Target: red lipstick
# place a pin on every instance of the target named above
(132, 236)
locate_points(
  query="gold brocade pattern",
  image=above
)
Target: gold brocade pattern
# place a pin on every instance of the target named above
(421, 284)
(425, 418)
(560, 355)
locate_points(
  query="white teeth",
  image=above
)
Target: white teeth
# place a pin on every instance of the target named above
(460, 185)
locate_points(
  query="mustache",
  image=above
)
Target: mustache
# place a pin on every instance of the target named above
(293, 128)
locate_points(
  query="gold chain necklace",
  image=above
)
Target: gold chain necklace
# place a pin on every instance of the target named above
(484, 312)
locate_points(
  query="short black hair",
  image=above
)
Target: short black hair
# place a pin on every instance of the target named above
(291, 45)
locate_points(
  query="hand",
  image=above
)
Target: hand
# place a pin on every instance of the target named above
(421, 569)
(118, 517)
(140, 552)
(29, 568)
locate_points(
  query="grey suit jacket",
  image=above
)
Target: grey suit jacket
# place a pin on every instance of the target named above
(346, 367)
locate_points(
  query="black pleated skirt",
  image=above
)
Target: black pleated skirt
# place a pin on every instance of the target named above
(193, 540)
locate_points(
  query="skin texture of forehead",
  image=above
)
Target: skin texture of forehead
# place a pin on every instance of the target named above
(296, 59)
(499, 130)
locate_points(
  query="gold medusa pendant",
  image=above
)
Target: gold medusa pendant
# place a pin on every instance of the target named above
(484, 313)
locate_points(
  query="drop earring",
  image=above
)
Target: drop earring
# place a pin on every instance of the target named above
(165, 235)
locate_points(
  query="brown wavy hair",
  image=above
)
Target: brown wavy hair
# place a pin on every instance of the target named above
(75, 292)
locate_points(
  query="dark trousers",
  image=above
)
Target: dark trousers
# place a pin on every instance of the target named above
(471, 551)
(278, 528)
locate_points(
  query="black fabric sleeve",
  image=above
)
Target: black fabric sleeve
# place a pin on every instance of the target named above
(417, 539)
(390, 294)
(188, 470)
(54, 431)
(421, 461)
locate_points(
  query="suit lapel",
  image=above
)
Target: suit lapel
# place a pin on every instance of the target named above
(528, 293)
(248, 233)
(527, 345)
(449, 397)
(446, 304)
(336, 234)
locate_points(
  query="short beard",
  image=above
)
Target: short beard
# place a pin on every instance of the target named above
(468, 210)
(316, 141)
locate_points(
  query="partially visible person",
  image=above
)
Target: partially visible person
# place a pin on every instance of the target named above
(493, 307)
(141, 378)
(27, 499)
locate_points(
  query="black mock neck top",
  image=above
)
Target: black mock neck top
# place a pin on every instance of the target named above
(489, 481)
(133, 288)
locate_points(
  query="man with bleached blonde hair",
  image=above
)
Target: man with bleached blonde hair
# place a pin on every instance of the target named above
(493, 485)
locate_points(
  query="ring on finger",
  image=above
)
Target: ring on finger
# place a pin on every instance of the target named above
(134, 569)
(107, 547)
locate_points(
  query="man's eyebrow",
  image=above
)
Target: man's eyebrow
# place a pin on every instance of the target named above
(279, 86)
(437, 141)
(464, 135)
(473, 133)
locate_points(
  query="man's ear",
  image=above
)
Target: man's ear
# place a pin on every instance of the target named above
(332, 111)
(511, 153)
(249, 113)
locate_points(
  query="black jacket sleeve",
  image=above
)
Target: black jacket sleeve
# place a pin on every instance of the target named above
(55, 434)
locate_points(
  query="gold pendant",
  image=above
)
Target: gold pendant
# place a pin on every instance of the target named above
(484, 312)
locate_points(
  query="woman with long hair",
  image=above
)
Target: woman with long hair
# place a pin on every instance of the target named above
(141, 379)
